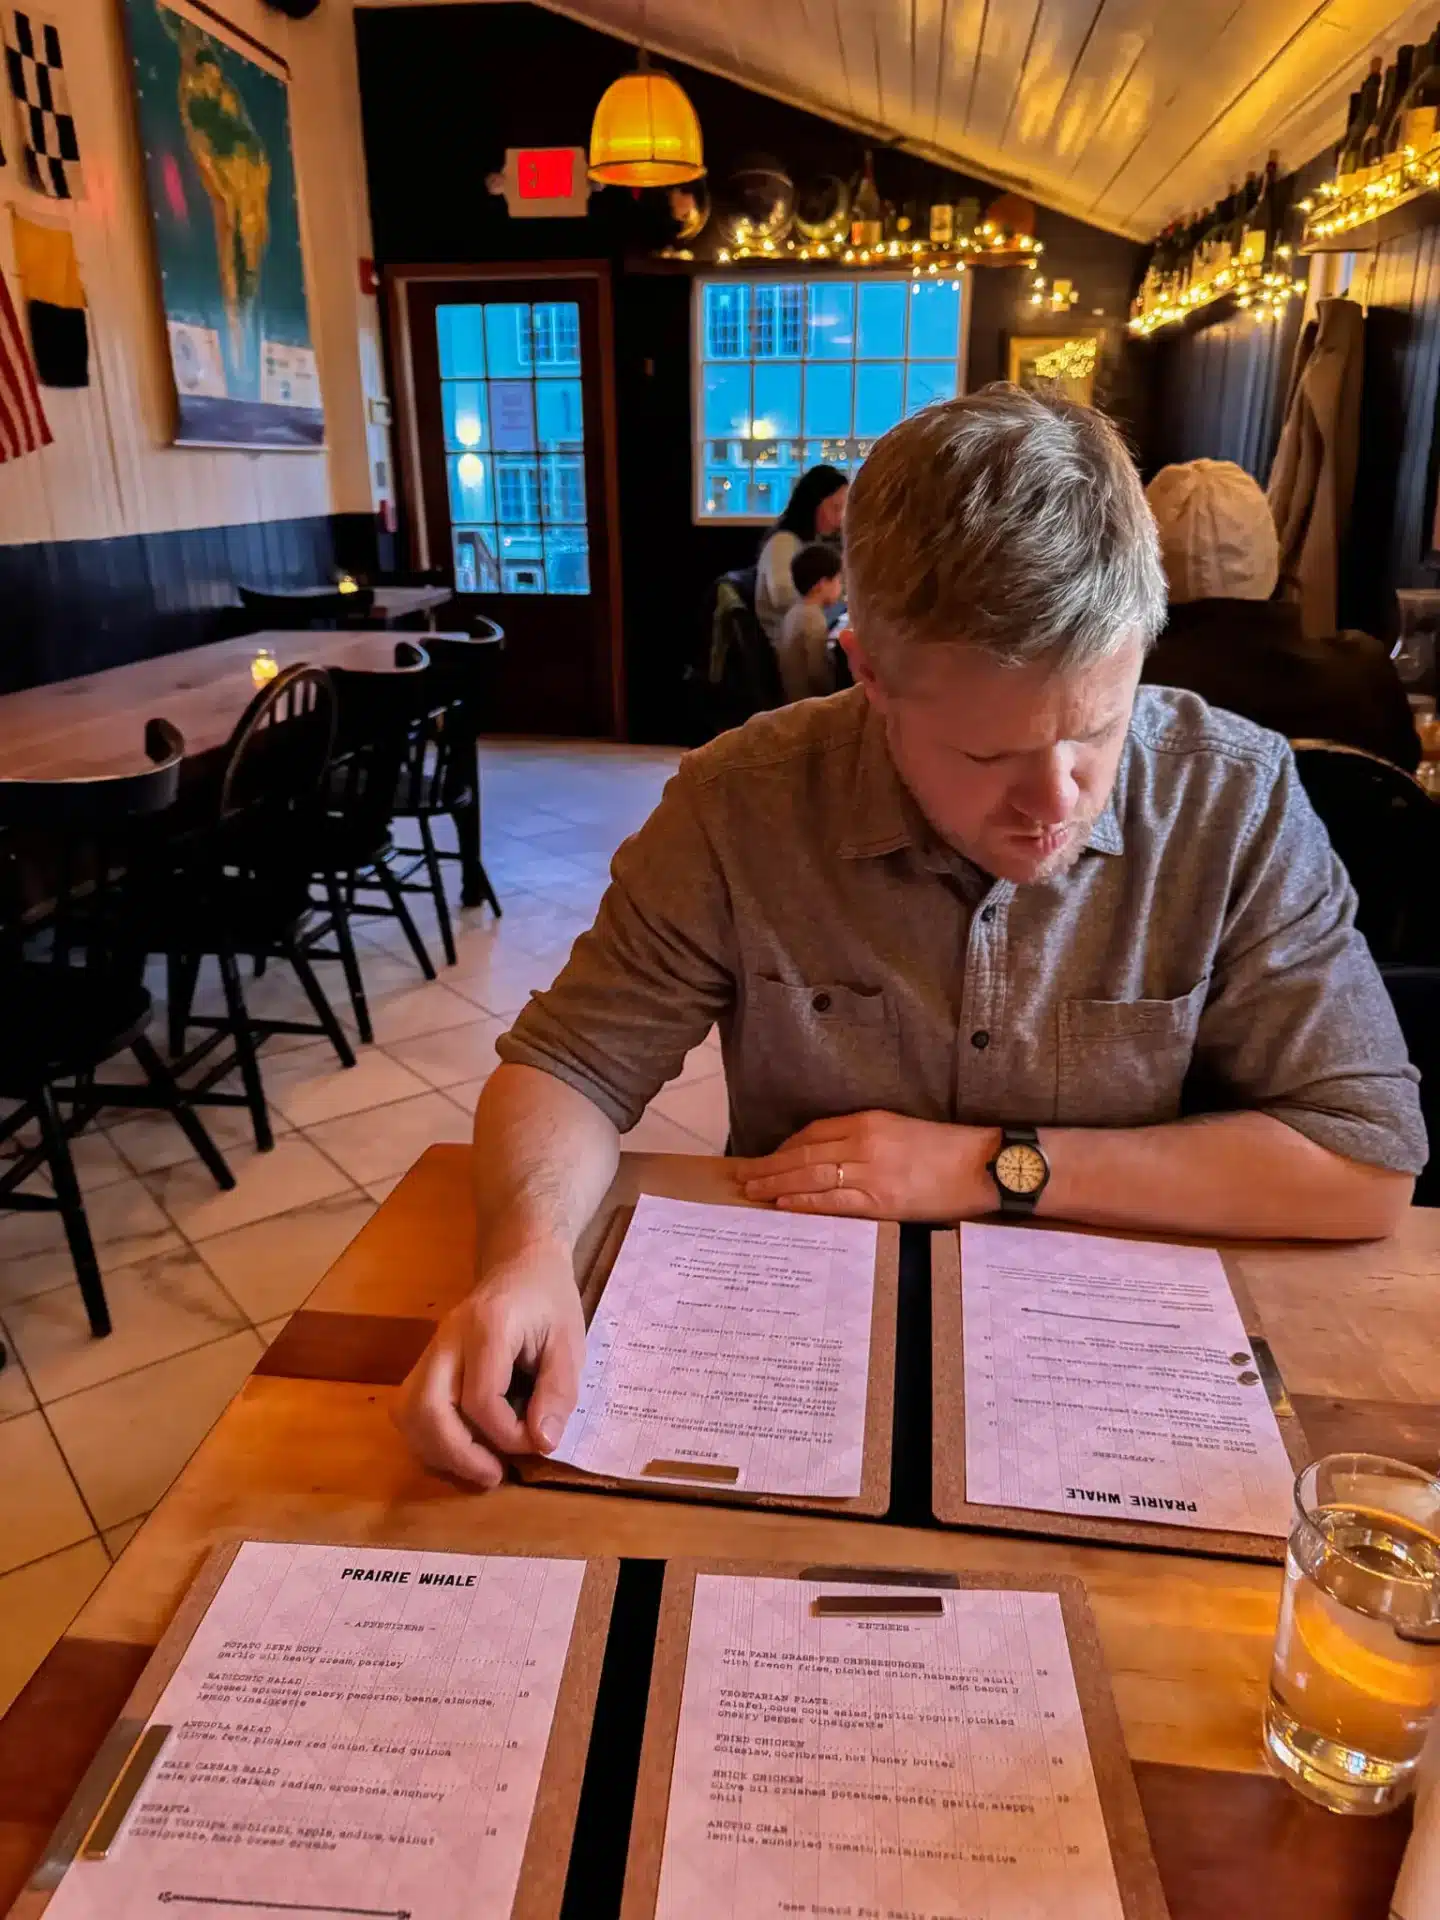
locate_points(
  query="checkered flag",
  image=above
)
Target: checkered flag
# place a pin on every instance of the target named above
(47, 128)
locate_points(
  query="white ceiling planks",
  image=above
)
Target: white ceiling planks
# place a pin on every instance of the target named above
(1125, 112)
(1245, 54)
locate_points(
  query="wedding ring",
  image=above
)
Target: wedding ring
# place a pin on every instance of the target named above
(839, 1176)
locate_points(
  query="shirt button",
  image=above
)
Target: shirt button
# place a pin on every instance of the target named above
(980, 1039)
(821, 1003)
(987, 914)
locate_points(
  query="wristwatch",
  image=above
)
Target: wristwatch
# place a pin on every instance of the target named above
(1020, 1170)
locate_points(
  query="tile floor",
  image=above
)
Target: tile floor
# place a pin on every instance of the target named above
(92, 1432)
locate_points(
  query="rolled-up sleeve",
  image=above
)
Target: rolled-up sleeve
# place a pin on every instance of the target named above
(649, 979)
(1298, 1023)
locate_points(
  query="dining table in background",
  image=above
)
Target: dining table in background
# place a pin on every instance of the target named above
(307, 1451)
(93, 727)
(389, 605)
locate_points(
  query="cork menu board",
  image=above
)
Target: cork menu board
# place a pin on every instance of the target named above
(817, 1738)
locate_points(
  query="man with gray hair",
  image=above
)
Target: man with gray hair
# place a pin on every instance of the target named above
(989, 932)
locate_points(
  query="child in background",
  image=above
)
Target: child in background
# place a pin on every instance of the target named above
(801, 652)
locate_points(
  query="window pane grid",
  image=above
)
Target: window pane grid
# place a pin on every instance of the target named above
(793, 373)
(512, 412)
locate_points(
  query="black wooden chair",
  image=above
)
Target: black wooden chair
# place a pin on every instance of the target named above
(1415, 994)
(468, 665)
(439, 774)
(239, 884)
(348, 848)
(72, 980)
(1386, 830)
(304, 612)
(744, 678)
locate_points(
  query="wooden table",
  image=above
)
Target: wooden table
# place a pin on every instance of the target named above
(307, 1451)
(389, 604)
(95, 724)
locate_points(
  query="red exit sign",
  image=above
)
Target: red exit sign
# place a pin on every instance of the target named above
(545, 182)
(545, 173)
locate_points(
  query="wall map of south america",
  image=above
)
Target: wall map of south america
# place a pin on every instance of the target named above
(220, 180)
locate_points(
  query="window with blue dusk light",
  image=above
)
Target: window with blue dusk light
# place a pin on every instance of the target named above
(791, 372)
(514, 418)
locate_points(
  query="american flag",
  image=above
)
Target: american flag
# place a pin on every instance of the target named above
(23, 426)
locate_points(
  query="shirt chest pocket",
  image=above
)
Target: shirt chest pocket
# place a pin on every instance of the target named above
(1123, 1062)
(820, 1050)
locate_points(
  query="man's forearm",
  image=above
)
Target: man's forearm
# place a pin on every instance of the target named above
(1233, 1175)
(544, 1160)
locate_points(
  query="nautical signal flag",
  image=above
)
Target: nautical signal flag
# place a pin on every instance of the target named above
(42, 102)
(54, 301)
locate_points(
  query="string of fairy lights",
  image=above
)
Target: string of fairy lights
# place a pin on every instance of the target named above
(1409, 174)
(1264, 291)
(988, 245)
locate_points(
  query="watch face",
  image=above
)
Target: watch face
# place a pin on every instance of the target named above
(1020, 1169)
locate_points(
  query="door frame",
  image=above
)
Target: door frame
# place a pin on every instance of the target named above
(397, 282)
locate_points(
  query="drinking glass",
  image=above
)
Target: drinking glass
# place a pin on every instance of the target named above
(1356, 1676)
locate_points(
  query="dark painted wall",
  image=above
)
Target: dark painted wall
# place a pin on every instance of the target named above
(446, 89)
(1219, 392)
(76, 606)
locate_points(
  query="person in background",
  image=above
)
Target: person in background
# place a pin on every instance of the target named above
(802, 652)
(1228, 641)
(814, 511)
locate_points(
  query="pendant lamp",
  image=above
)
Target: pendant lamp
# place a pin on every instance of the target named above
(645, 133)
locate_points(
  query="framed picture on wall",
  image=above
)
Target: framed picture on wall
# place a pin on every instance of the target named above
(214, 117)
(1063, 361)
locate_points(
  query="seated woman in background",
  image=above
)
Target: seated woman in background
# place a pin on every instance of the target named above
(802, 652)
(815, 511)
(1228, 641)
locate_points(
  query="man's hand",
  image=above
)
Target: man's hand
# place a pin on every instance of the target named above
(878, 1166)
(453, 1410)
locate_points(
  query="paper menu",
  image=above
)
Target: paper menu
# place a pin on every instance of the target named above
(1114, 1379)
(354, 1730)
(730, 1347)
(934, 1766)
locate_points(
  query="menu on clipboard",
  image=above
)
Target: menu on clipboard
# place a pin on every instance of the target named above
(881, 1749)
(349, 1730)
(1114, 1379)
(730, 1348)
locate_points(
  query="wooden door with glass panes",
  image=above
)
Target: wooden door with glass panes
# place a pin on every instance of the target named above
(514, 413)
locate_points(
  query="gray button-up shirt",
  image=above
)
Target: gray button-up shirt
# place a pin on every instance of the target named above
(1200, 953)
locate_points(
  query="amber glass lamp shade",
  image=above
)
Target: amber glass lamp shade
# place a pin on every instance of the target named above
(645, 133)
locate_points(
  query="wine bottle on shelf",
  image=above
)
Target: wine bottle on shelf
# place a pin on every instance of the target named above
(1372, 151)
(1420, 108)
(1392, 133)
(1192, 251)
(1148, 293)
(903, 221)
(1258, 241)
(1218, 239)
(867, 215)
(1364, 120)
(1352, 177)
(1246, 201)
(1347, 156)
(942, 224)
